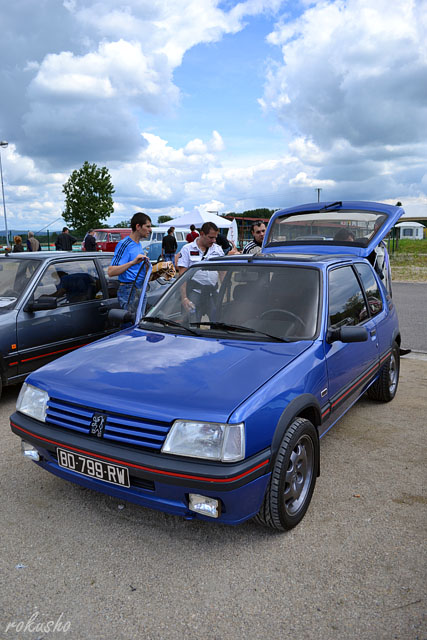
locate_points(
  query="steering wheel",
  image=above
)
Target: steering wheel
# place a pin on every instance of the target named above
(288, 314)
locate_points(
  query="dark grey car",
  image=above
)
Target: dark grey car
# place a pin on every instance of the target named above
(52, 303)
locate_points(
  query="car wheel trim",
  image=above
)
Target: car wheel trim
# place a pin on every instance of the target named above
(298, 475)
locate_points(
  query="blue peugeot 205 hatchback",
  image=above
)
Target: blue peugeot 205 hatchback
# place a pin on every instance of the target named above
(214, 408)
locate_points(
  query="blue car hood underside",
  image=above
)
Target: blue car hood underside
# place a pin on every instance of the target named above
(165, 376)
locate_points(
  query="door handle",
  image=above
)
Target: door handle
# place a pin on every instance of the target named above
(373, 332)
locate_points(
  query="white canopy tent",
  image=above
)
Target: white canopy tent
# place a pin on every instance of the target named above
(198, 219)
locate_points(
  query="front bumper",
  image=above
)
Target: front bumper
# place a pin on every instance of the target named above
(158, 481)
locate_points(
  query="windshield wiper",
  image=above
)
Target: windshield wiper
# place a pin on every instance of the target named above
(168, 323)
(333, 204)
(237, 327)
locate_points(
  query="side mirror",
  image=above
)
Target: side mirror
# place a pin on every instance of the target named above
(116, 317)
(347, 334)
(45, 303)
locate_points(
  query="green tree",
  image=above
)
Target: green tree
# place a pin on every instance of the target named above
(88, 197)
(124, 224)
(162, 219)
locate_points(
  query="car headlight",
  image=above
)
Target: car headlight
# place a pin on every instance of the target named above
(32, 401)
(210, 440)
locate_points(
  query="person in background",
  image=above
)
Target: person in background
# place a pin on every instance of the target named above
(193, 234)
(32, 243)
(258, 233)
(225, 245)
(90, 241)
(169, 246)
(17, 244)
(65, 240)
(344, 235)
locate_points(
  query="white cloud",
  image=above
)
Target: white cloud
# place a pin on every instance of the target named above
(354, 70)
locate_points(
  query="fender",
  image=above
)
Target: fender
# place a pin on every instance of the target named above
(294, 409)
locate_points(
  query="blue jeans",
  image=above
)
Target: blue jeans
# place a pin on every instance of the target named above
(170, 257)
(128, 296)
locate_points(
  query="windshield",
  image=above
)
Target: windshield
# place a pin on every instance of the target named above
(330, 227)
(101, 236)
(15, 274)
(249, 302)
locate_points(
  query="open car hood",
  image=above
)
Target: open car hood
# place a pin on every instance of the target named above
(322, 227)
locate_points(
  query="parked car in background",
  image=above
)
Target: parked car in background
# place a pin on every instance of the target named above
(106, 239)
(152, 247)
(52, 303)
(217, 412)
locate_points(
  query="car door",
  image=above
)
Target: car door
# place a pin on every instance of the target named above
(381, 307)
(350, 365)
(79, 317)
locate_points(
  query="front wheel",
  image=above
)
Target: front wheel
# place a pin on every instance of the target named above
(293, 477)
(385, 387)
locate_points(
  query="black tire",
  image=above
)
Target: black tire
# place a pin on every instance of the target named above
(385, 387)
(293, 478)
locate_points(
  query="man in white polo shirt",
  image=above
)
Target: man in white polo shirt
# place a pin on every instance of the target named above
(199, 294)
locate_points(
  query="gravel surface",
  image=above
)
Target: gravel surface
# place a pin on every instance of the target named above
(354, 568)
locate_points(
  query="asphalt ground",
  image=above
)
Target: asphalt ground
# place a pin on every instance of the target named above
(411, 304)
(354, 568)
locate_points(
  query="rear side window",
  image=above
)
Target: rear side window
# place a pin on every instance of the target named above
(371, 287)
(346, 300)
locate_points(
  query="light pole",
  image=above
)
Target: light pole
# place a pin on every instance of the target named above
(4, 144)
(318, 189)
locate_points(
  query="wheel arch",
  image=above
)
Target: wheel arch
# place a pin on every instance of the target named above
(304, 406)
(396, 337)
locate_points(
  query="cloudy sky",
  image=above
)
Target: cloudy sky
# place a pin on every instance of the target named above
(212, 105)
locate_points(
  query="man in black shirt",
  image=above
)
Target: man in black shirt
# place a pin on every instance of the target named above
(90, 241)
(65, 240)
(169, 246)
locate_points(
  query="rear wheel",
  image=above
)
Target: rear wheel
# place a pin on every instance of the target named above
(385, 387)
(293, 478)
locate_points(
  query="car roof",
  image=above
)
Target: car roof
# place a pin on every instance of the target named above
(37, 255)
(375, 217)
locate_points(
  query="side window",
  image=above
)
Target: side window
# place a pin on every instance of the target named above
(179, 235)
(115, 237)
(70, 282)
(346, 300)
(112, 282)
(371, 287)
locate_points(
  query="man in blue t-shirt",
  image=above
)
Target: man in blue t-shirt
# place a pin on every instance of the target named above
(126, 263)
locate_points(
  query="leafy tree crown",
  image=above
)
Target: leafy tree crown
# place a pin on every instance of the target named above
(88, 197)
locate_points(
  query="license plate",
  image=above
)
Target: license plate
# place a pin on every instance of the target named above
(98, 469)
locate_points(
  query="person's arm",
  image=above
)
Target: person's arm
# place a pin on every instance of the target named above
(183, 264)
(118, 269)
(186, 303)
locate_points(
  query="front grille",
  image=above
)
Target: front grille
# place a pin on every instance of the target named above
(147, 434)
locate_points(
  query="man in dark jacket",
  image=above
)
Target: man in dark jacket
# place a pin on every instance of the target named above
(90, 241)
(169, 246)
(65, 240)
